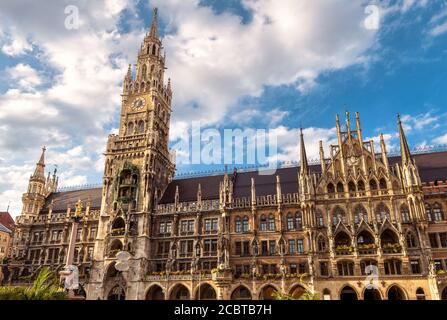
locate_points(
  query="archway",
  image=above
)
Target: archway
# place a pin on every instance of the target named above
(444, 294)
(297, 292)
(348, 293)
(241, 293)
(206, 292)
(372, 294)
(118, 226)
(117, 293)
(155, 293)
(180, 292)
(396, 293)
(267, 293)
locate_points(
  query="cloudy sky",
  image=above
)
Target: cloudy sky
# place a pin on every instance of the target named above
(259, 64)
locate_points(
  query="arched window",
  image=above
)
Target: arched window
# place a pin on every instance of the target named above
(437, 212)
(245, 226)
(321, 244)
(405, 214)
(320, 220)
(361, 185)
(420, 294)
(271, 223)
(411, 240)
(359, 214)
(154, 50)
(141, 127)
(263, 223)
(351, 186)
(326, 294)
(290, 222)
(130, 128)
(330, 188)
(144, 71)
(340, 187)
(373, 184)
(428, 212)
(382, 184)
(237, 225)
(338, 215)
(299, 221)
(382, 212)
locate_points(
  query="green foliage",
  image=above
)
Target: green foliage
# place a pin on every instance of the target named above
(281, 296)
(45, 287)
(309, 296)
(306, 296)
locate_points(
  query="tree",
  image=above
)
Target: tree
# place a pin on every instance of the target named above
(45, 287)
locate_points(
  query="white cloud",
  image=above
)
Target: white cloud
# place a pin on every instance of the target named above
(269, 118)
(26, 77)
(16, 45)
(420, 121)
(441, 140)
(215, 59)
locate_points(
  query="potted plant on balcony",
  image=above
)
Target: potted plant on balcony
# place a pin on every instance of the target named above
(393, 247)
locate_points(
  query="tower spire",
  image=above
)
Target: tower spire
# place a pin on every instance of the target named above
(404, 149)
(154, 26)
(39, 172)
(304, 165)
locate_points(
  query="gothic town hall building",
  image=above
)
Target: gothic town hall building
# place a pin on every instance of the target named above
(359, 225)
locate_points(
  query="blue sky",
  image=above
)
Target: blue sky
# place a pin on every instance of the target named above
(263, 64)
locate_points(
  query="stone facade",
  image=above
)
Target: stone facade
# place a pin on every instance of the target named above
(312, 228)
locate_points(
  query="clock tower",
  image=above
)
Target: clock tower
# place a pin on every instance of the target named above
(138, 168)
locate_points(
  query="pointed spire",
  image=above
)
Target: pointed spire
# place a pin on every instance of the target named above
(348, 124)
(384, 153)
(303, 156)
(129, 72)
(154, 25)
(199, 193)
(322, 162)
(39, 172)
(404, 149)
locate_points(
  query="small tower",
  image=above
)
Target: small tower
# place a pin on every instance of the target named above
(33, 200)
(409, 172)
(304, 178)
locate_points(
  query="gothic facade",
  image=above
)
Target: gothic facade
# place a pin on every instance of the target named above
(360, 225)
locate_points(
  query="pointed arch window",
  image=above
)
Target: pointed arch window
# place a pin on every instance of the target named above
(383, 184)
(130, 128)
(428, 212)
(373, 184)
(351, 186)
(382, 212)
(141, 127)
(359, 214)
(437, 212)
(338, 215)
(321, 244)
(340, 187)
(245, 224)
(330, 188)
(299, 221)
(237, 225)
(411, 240)
(405, 214)
(263, 223)
(320, 220)
(271, 222)
(290, 224)
(361, 185)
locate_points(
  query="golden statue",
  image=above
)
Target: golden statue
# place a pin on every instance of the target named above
(78, 208)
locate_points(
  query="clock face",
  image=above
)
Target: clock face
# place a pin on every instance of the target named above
(138, 104)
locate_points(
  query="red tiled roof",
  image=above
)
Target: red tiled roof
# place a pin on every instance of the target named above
(7, 220)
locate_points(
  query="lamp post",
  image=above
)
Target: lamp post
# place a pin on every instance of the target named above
(69, 269)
